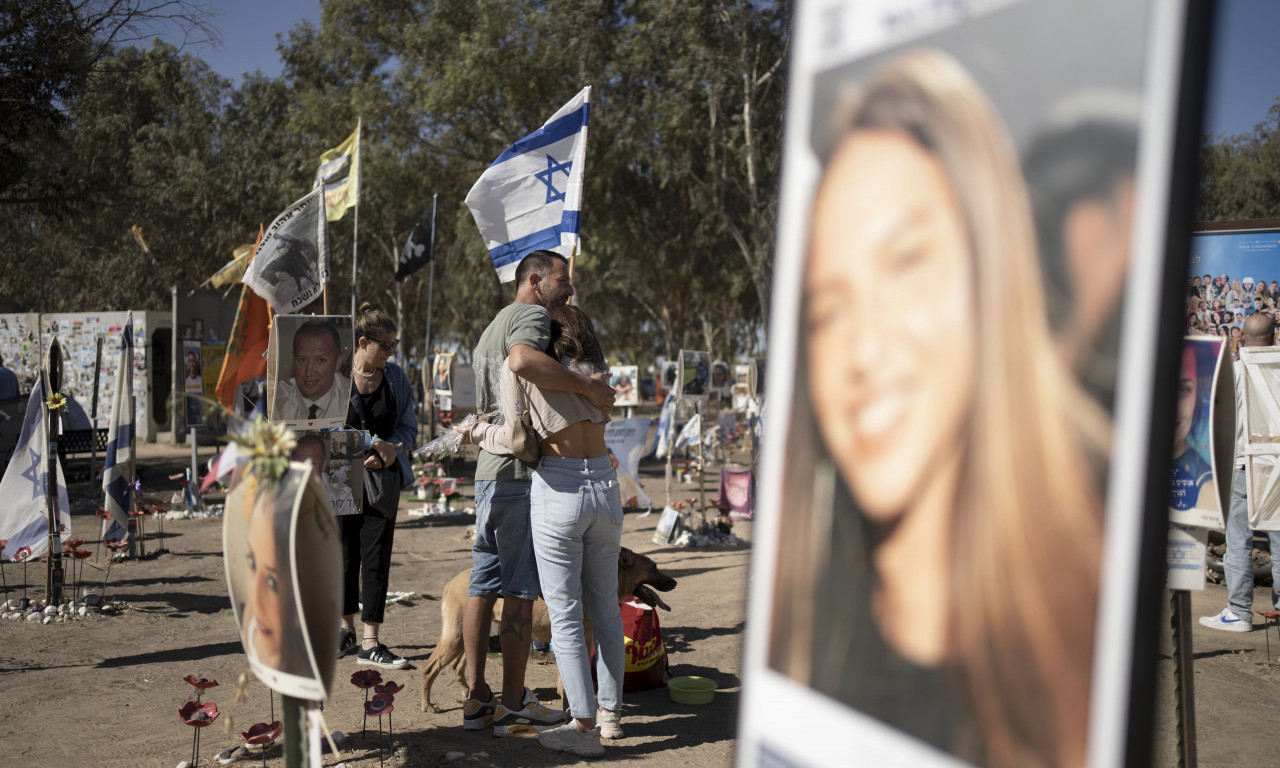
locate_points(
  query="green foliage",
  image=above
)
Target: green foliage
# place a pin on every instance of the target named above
(681, 180)
(1240, 175)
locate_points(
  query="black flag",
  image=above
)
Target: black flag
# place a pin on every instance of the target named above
(417, 250)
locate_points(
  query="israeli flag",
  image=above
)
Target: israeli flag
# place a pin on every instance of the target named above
(117, 480)
(24, 512)
(530, 197)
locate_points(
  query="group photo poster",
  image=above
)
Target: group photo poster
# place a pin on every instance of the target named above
(1233, 274)
(309, 370)
(283, 565)
(338, 458)
(979, 204)
(625, 382)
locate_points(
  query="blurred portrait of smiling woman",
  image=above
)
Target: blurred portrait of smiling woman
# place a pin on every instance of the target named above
(938, 568)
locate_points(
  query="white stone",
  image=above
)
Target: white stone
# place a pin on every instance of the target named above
(82, 611)
(49, 610)
(48, 620)
(454, 755)
(33, 616)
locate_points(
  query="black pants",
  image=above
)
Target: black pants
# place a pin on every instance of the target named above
(366, 564)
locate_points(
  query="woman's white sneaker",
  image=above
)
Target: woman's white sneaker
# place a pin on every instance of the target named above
(567, 738)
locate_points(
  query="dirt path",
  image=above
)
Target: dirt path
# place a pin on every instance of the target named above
(105, 691)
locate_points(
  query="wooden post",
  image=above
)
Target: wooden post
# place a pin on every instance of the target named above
(53, 384)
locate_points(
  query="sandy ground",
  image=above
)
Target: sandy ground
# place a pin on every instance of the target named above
(105, 691)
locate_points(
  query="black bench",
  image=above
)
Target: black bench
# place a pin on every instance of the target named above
(77, 441)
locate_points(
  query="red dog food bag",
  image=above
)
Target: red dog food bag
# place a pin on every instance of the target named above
(646, 657)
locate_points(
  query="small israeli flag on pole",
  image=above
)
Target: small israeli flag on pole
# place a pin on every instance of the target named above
(530, 197)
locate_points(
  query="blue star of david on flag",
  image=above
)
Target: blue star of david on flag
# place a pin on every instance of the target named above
(34, 475)
(530, 198)
(554, 166)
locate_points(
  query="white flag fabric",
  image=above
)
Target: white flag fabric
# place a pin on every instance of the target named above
(24, 513)
(530, 198)
(692, 432)
(291, 265)
(117, 478)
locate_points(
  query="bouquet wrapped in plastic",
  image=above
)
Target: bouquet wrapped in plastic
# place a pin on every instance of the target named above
(448, 443)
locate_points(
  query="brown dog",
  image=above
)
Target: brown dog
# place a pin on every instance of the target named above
(637, 574)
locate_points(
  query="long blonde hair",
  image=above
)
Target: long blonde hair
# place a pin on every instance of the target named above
(1026, 528)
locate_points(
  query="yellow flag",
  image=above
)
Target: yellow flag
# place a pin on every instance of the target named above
(233, 270)
(340, 174)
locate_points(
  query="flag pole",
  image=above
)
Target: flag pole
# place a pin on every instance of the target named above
(428, 362)
(355, 237)
(53, 383)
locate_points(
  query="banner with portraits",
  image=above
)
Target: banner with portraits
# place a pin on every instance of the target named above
(338, 458)
(957, 444)
(309, 370)
(1204, 434)
(283, 564)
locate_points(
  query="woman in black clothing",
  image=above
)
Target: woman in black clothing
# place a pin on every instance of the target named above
(382, 403)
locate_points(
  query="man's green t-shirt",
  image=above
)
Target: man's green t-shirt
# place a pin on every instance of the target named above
(517, 323)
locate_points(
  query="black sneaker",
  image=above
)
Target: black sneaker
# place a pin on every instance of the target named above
(347, 642)
(379, 656)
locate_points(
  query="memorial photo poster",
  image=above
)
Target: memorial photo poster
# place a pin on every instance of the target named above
(1200, 469)
(309, 370)
(338, 457)
(283, 564)
(952, 423)
(693, 374)
(626, 383)
(442, 373)
(193, 383)
(291, 265)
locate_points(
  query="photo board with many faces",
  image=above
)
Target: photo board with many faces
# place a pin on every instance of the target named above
(944, 361)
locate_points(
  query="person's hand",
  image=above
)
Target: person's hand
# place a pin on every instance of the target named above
(465, 432)
(384, 451)
(599, 393)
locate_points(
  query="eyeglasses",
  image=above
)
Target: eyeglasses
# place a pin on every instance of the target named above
(387, 346)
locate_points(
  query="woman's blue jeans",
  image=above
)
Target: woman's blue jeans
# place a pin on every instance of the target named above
(576, 516)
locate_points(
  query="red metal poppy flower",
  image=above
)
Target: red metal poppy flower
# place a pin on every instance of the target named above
(158, 510)
(380, 704)
(366, 678)
(197, 714)
(80, 554)
(102, 513)
(23, 554)
(390, 687)
(71, 544)
(200, 682)
(262, 733)
(116, 544)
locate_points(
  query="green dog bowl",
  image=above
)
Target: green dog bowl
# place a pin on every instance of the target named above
(691, 690)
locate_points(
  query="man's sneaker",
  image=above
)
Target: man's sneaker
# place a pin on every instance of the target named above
(478, 715)
(379, 656)
(347, 641)
(534, 718)
(609, 723)
(1227, 621)
(567, 738)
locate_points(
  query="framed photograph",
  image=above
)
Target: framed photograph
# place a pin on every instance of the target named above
(957, 444)
(626, 382)
(280, 541)
(309, 370)
(197, 328)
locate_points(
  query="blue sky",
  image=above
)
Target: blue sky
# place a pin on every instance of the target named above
(1244, 77)
(1244, 74)
(248, 29)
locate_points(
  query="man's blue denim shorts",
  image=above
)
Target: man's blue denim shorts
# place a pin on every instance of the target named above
(502, 561)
